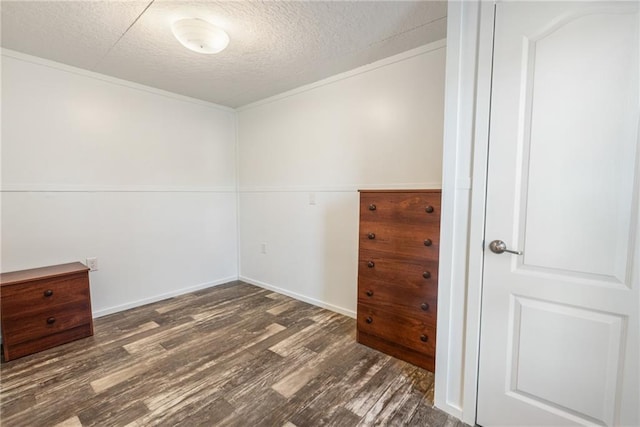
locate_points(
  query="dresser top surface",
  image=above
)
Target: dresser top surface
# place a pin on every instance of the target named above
(434, 190)
(15, 277)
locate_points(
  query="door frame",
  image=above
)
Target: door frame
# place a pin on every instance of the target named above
(465, 161)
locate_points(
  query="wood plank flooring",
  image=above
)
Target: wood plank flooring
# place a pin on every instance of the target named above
(232, 355)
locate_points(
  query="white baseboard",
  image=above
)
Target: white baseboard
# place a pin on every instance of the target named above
(156, 298)
(450, 409)
(298, 296)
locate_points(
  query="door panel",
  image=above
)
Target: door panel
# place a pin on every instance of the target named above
(559, 327)
(567, 108)
(571, 357)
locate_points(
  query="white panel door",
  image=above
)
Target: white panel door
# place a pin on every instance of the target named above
(559, 326)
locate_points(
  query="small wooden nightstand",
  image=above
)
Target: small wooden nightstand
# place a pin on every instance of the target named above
(44, 307)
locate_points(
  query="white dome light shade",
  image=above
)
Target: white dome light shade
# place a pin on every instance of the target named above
(200, 36)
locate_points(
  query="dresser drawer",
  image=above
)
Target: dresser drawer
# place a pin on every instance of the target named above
(415, 208)
(410, 332)
(412, 302)
(31, 297)
(45, 322)
(408, 272)
(412, 242)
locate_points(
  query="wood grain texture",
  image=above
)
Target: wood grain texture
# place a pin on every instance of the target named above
(407, 241)
(397, 328)
(402, 207)
(25, 297)
(421, 304)
(44, 307)
(407, 272)
(399, 239)
(15, 277)
(232, 355)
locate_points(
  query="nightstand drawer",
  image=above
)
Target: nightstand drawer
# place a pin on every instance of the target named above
(24, 298)
(45, 322)
(17, 350)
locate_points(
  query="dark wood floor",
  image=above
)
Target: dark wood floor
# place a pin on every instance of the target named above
(233, 355)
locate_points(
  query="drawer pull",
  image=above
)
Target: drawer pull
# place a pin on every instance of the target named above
(369, 293)
(428, 242)
(426, 275)
(48, 293)
(371, 236)
(429, 209)
(369, 319)
(424, 306)
(423, 338)
(371, 264)
(372, 207)
(51, 320)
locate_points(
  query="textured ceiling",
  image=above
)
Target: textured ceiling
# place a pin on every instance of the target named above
(275, 45)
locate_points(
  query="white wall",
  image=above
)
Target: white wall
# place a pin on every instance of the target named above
(141, 179)
(379, 126)
(145, 181)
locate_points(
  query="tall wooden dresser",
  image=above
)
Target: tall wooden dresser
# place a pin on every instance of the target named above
(44, 307)
(398, 273)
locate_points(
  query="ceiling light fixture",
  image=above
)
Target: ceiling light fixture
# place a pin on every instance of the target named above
(200, 36)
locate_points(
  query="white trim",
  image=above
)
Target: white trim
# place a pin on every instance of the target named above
(448, 371)
(475, 267)
(463, 183)
(237, 190)
(467, 96)
(108, 79)
(439, 44)
(300, 297)
(340, 188)
(156, 298)
(78, 188)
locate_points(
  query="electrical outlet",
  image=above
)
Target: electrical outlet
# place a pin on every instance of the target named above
(92, 263)
(312, 198)
(263, 248)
